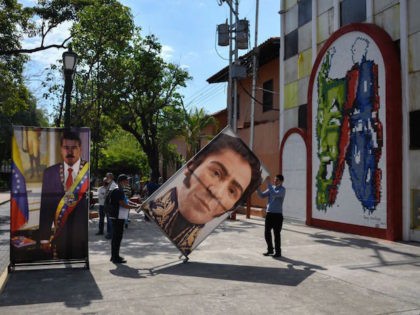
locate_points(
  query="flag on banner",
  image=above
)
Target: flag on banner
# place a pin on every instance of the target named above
(19, 209)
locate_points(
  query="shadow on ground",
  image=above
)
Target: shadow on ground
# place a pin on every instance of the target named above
(254, 274)
(51, 286)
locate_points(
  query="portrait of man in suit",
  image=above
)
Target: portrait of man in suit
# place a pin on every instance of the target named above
(64, 210)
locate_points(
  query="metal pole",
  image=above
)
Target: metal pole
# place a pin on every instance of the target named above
(282, 71)
(235, 80)
(253, 93)
(254, 77)
(229, 94)
(68, 85)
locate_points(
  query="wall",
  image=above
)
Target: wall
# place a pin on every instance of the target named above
(325, 20)
(354, 104)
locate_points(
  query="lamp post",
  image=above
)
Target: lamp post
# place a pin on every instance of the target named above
(69, 68)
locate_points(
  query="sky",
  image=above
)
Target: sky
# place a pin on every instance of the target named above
(186, 29)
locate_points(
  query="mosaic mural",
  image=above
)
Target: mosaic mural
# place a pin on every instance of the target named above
(348, 129)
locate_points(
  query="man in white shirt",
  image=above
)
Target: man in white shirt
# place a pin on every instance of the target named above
(102, 191)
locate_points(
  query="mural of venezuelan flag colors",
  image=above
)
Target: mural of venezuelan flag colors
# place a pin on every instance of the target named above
(349, 151)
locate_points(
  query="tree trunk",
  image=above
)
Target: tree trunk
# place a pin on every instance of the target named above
(153, 158)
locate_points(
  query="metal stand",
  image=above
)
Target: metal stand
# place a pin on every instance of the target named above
(185, 260)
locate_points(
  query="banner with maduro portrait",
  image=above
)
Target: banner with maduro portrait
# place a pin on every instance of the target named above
(49, 189)
(200, 195)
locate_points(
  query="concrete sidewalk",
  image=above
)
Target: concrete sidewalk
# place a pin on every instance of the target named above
(322, 272)
(4, 197)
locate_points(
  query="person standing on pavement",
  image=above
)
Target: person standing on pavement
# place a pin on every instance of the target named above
(128, 191)
(274, 213)
(111, 186)
(110, 179)
(121, 206)
(101, 200)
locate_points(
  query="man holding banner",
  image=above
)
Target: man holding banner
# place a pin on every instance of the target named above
(214, 182)
(63, 212)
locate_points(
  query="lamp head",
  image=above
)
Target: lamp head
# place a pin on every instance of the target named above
(69, 61)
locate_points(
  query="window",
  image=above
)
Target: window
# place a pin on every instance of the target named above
(302, 116)
(291, 44)
(267, 95)
(305, 11)
(415, 130)
(352, 11)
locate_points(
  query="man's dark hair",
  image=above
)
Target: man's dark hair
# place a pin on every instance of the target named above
(223, 142)
(70, 135)
(280, 177)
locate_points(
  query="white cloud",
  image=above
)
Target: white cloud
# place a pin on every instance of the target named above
(167, 53)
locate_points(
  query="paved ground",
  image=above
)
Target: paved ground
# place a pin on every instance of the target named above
(322, 272)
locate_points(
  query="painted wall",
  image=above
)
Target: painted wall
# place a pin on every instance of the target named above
(355, 161)
(347, 134)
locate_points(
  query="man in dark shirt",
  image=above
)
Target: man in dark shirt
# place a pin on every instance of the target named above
(121, 208)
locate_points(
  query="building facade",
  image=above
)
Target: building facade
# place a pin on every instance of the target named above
(350, 111)
(342, 118)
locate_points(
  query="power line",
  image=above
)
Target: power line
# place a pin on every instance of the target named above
(205, 94)
(257, 101)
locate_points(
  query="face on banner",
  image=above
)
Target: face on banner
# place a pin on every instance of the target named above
(49, 207)
(70, 151)
(199, 196)
(214, 186)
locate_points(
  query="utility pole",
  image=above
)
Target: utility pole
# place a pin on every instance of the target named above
(229, 93)
(238, 32)
(253, 93)
(254, 77)
(235, 79)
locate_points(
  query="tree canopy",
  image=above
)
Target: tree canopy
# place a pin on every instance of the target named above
(124, 90)
(17, 22)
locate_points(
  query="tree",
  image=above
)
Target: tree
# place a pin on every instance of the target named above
(194, 123)
(17, 21)
(30, 116)
(170, 126)
(141, 87)
(17, 105)
(96, 45)
(14, 96)
(122, 154)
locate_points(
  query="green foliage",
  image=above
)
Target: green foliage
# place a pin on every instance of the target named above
(14, 22)
(140, 87)
(17, 106)
(37, 21)
(195, 121)
(96, 44)
(95, 41)
(29, 117)
(14, 96)
(122, 154)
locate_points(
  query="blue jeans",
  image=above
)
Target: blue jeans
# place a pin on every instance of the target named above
(102, 220)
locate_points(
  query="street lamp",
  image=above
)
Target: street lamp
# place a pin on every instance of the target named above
(69, 68)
